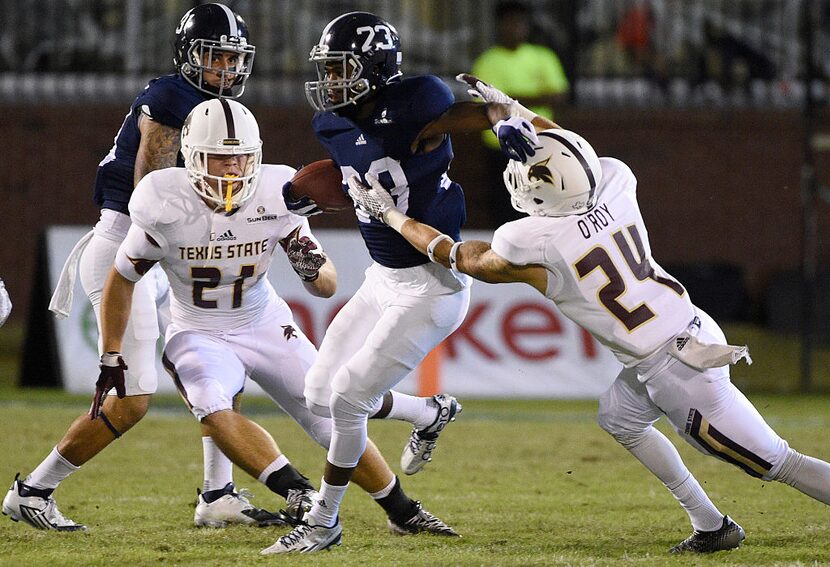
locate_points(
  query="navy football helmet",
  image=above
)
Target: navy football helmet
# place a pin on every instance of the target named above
(358, 54)
(206, 32)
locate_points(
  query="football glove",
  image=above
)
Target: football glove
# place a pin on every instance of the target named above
(516, 137)
(304, 206)
(304, 256)
(489, 93)
(374, 199)
(479, 89)
(111, 376)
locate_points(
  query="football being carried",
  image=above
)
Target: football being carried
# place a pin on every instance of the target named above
(318, 185)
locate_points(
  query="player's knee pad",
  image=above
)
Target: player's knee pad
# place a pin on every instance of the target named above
(320, 431)
(347, 414)
(318, 410)
(626, 434)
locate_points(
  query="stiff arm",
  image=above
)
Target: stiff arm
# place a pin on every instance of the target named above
(472, 257)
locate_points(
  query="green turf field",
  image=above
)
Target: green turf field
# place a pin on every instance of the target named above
(526, 483)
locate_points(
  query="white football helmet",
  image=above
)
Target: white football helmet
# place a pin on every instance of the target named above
(560, 179)
(223, 127)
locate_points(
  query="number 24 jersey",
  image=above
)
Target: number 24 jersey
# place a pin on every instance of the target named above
(600, 271)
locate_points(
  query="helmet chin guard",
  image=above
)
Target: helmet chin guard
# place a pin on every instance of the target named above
(221, 127)
(560, 179)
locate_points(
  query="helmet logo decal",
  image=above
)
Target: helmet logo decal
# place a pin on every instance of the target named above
(541, 172)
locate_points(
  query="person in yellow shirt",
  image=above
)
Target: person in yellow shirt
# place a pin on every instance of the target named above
(525, 71)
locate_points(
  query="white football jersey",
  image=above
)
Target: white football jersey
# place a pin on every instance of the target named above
(216, 263)
(601, 273)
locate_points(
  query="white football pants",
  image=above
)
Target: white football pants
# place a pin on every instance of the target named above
(209, 367)
(705, 408)
(393, 321)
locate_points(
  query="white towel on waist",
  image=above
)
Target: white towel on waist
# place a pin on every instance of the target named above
(61, 303)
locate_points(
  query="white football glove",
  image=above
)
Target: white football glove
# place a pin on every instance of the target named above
(480, 89)
(489, 93)
(5, 303)
(374, 199)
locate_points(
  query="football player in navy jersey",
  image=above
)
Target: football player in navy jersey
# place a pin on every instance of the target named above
(376, 123)
(213, 58)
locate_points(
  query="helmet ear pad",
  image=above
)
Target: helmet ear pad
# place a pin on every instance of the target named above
(560, 179)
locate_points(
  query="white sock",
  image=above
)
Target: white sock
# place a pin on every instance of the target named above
(50, 472)
(325, 509)
(420, 412)
(384, 492)
(657, 453)
(278, 463)
(702, 512)
(807, 474)
(218, 468)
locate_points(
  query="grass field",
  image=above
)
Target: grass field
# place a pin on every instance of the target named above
(525, 482)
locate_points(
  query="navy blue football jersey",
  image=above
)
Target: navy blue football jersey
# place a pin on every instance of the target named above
(380, 145)
(168, 100)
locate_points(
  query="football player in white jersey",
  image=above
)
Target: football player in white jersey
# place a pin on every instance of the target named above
(213, 55)
(585, 247)
(214, 233)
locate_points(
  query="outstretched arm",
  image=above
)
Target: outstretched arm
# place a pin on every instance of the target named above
(473, 257)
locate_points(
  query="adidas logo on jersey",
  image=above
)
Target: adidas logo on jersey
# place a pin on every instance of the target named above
(361, 141)
(680, 342)
(225, 236)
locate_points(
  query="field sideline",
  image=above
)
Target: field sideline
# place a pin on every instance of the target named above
(525, 482)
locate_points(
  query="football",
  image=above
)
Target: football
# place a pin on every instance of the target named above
(321, 181)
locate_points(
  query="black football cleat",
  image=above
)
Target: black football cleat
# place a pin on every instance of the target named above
(729, 536)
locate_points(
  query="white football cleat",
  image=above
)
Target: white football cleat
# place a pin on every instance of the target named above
(307, 539)
(232, 508)
(37, 508)
(418, 450)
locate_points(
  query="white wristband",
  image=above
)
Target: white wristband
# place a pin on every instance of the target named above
(517, 109)
(394, 218)
(431, 246)
(453, 252)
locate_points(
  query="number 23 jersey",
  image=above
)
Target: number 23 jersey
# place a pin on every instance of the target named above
(600, 271)
(216, 263)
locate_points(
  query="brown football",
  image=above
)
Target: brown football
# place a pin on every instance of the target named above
(321, 181)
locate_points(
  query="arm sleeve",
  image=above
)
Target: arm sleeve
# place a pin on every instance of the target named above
(137, 254)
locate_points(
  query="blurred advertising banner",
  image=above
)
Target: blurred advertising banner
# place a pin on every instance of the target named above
(513, 342)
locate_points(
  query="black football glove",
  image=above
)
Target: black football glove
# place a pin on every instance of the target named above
(111, 376)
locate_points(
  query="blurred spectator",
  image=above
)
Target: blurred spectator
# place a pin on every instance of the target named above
(528, 72)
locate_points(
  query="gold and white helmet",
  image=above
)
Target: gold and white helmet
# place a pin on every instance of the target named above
(224, 127)
(560, 179)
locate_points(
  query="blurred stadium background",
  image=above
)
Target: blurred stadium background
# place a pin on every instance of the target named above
(719, 106)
